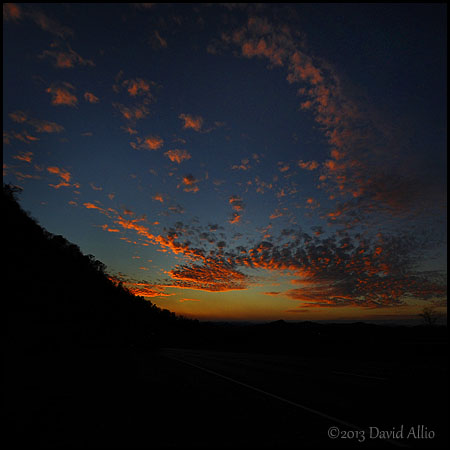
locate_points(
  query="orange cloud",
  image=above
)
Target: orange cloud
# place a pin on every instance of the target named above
(90, 97)
(276, 214)
(153, 142)
(11, 11)
(22, 136)
(129, 130)
(61, 95)
(63, 174)
(139, 288)
(137, 87)
(132, 113)
(177, 155)
(48, 24)
(158, 198)
(243, 166)
(149, 143)
(191, 122)
(213, 276)
(235, 218)
(64, 56)
(190, 183)
(44, 126)
(308, 165)
(27, 157)
(18, 116)
(236, 203)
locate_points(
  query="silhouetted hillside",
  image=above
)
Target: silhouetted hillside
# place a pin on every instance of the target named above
(69, 331)
(59, 297)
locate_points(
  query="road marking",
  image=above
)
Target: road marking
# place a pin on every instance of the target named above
(285, 400)
(370, 377)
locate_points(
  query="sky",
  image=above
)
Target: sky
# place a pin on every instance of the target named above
(246, 162)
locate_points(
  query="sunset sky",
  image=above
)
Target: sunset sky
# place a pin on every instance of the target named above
(238, 162)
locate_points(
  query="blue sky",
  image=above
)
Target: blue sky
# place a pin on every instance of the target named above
(249, 162)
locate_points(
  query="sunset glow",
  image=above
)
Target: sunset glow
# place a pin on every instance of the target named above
(238, 162)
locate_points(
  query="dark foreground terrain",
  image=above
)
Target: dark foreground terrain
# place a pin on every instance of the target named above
(89, 365)
(180, 398)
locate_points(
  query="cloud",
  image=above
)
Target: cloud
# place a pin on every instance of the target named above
(132, 113)
(328, 269)
(158, 198)
(157, 41)
(18, 116)
(95, 188)
(138, 87)
(308, 165)
(139, 287)
(235, 218)
(129, 130)
(360, 139)
(213, 276)
(12, 11)
(40, 126)
(25, 156)
(236, 203)
(349, 270)
(64, 57)
(48, 24)
(148, 143)
(62, 95)
(244, 165)
(192, 122)
(63, 174)
(276, 214)
(177, 155)
(282, 167)
(90, 97)
(190, 183)
(22, 136)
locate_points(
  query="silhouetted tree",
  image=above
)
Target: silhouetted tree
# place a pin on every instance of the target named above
(430, 316)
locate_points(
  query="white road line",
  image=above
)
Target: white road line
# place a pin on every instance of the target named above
(370, 377)
(298, 405)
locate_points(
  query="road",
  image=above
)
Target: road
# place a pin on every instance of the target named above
(180, 399)
(319, 393)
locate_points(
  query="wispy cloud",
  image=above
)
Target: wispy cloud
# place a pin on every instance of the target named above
(24, 156)
(90, 97)
(40, 126)
(157, 41)
(64, 57)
